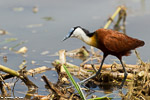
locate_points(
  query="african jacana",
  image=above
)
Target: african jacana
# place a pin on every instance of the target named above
(110, 42)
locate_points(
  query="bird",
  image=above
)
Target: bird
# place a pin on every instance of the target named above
(109, 41)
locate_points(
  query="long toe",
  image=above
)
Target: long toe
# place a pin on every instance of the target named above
(83, 81)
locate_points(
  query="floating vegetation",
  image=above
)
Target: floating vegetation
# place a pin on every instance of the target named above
(35, 9)
(3, 32)
(34, 25)
(45, 53)
(48, 18)
(8, 40)
(13, 47)
(22, 50)
(81, 53)
(5, 59)
(18, 9)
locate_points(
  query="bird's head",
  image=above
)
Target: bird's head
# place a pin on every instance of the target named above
(77, 32)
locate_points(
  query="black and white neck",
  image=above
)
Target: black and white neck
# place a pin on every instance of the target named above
(82, 34)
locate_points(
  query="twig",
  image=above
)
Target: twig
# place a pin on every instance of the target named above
(3, 90)
(56, 62)
(29, 84)
(89, 59)
(1, 79)
(46, 81)
(146, 84)
(54, 88)
(138, 56)
(14, 87)
(22, 64)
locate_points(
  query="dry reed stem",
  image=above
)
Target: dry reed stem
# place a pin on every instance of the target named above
(110, 20)
(10, 71)
(89, 66)
(62, 57)
(37, 70)
(80, 52)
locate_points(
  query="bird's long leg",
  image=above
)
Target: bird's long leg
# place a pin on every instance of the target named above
(98, 72)
(125, 75)
(94, 68)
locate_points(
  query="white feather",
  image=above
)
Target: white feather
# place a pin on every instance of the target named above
(80, 34)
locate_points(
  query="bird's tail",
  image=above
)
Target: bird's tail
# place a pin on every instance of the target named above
(139, 43)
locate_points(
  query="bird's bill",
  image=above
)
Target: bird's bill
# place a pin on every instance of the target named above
(69, 34)
(66, 37)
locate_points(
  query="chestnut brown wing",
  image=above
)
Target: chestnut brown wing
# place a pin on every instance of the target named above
(118, 42)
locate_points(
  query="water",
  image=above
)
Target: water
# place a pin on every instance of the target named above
(16, 17)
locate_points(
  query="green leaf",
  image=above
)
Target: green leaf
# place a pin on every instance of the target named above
(76, 85)
(101, 98)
